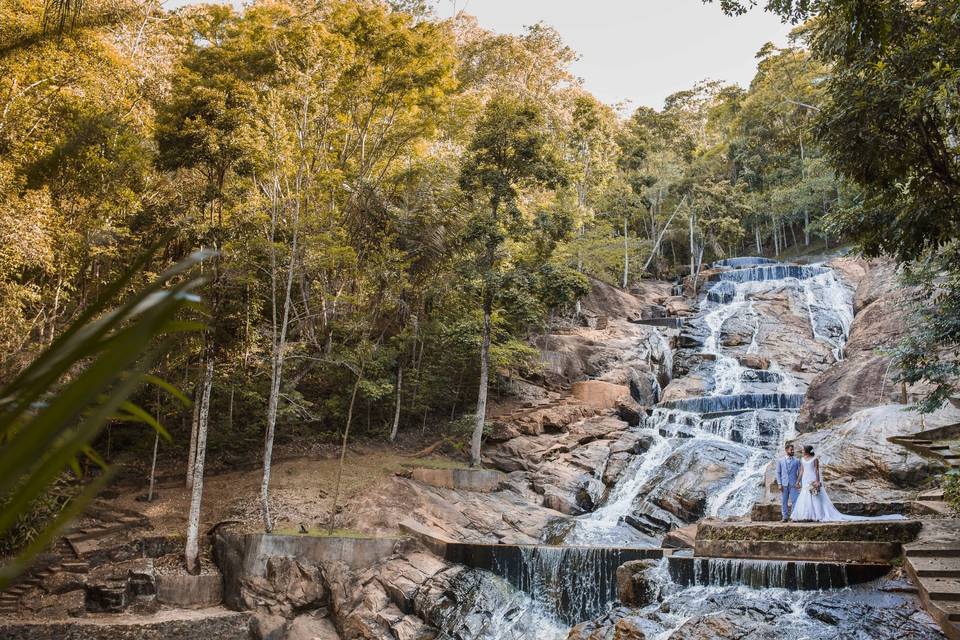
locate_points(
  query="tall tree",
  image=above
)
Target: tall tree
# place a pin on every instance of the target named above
(510, 152)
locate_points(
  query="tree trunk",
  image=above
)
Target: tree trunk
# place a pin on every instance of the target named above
(396, 413)
(279, 343)
(482, 393)
(343, 453)
(153, 467)
(692, 248)
(626, 254)
(192, 551)
(192, 454)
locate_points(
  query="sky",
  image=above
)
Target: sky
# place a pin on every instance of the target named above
(636, 51)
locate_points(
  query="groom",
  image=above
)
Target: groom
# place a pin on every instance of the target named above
(788, 474)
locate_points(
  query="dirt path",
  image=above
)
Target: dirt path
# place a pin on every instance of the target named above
(301, 491)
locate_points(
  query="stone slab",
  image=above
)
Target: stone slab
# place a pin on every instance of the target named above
(806, 551)
(770, 511)
(479, 480)
(900, 531)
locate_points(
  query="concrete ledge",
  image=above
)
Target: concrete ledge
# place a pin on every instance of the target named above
(770, 511)
(190, 592)
(479, 480)
(869, 531)
(806, 551)
(765, 574)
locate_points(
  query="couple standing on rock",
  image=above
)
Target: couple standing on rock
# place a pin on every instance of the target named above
(801, 485)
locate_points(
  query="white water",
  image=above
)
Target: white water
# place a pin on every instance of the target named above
(755, 434)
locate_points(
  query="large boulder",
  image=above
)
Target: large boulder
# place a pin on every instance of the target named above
(598, 394)
(859, 461)
(288, 585)
(690, 476)
(865, 377)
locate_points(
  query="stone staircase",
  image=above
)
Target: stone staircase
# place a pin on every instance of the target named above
(941, 443)
(67, 555)
(933, 563)
(62, 558)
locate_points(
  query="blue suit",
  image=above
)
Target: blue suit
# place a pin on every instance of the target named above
(788, 472)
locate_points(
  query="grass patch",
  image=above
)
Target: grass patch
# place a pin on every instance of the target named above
(432, 463)
(315, 532)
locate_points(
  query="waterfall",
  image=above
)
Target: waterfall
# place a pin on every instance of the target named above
(605, 525)
(571, 584)
(743, 414)
(759, 574)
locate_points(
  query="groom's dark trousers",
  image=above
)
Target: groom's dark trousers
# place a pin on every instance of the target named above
(788, 472)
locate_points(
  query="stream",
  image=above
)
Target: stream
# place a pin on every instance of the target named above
(722, 438)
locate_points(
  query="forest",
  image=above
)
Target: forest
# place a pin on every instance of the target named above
(389, 206)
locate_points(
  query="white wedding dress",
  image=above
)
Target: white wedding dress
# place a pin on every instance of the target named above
(818, 508)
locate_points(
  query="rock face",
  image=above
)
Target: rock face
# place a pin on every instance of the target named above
(287, 586)
(860, 463)
(864, 377)
(692, 474)
(599, 394)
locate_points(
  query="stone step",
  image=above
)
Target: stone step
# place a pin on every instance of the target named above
(933, 494)
(952, 610)
(942, 550)
(947, 589)
(935, 506)
(75, 566)
(936, 567)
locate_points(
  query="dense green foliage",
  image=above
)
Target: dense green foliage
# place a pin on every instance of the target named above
(51, 413)
(374, 179)
(890, 124)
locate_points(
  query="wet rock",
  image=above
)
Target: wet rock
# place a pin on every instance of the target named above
(635, 587)
(616, 465)
(899, 619)
(864, 378)
(689, 476)
(681, 537)
(726, 625)
(753, 361)
(737, 331)
(614, 626)
(630, 412)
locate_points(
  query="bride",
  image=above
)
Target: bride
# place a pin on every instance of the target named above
(813, 503)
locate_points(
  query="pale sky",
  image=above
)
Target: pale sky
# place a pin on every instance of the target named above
(636, 50)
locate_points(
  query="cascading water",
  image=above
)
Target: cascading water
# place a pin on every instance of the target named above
(744, 414)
